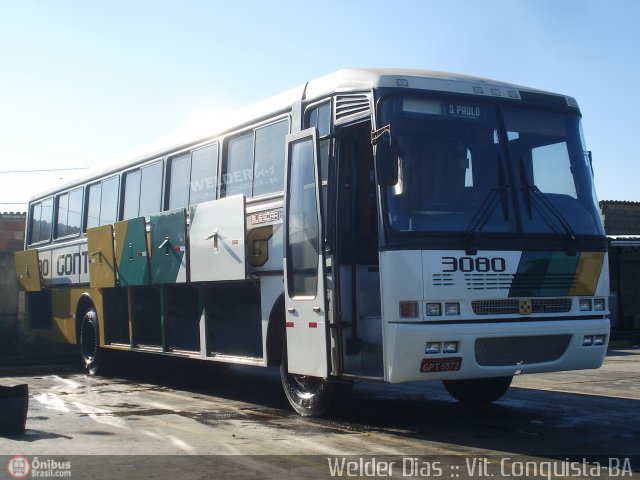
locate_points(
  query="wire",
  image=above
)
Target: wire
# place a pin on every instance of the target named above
(44, 170)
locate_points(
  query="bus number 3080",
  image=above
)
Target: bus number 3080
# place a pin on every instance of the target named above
(469, 264)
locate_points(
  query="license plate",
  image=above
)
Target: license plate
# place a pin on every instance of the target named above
(432, 365)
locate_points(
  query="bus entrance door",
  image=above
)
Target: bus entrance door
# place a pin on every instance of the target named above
(304, 262)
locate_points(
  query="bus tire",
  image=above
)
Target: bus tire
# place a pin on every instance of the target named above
(309, 396)
(90, 342)
(478, 391)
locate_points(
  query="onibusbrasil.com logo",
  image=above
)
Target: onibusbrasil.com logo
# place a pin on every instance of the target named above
(22, 467)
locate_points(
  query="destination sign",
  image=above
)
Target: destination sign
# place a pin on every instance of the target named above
(463, 110)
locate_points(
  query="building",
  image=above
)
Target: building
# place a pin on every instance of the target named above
(11, 240)
(622, 226)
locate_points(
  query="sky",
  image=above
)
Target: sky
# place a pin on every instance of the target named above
(87, 83)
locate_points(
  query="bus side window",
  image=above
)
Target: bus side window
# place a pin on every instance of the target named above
(150, 189)
(93, 205)
(62, 212)
(142, 192)
(268, 171)
(109, 201)
(68, 213)
(237, 177)
(179, 173)
(204, 174)
(41, 221)
(131, 195)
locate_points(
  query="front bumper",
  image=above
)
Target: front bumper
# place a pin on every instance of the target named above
(405, 348)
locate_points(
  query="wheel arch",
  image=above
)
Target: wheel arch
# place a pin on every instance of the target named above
(275, 333)
(85, 303)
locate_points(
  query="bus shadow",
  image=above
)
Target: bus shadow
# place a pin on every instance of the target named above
(524, 422)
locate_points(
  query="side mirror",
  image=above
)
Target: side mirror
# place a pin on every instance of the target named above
(386, 163)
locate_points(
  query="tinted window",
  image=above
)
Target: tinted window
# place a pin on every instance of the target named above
(46, 219)
(69, 209)
(74, 220)
(268, 173)
(239, 172)
(36, 213)
(109, 201)
(204, 173)
(131, 195)
(62, 214)
(150, 189)
(93, 205)
(179, 168)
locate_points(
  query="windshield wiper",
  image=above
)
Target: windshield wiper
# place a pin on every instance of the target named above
(536, 199)
(484, 212)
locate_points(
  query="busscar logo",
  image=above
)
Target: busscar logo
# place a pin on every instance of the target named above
(19, 467)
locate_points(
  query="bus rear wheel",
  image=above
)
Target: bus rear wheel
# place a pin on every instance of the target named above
(309, 396)
(478, 390)
(90, 341)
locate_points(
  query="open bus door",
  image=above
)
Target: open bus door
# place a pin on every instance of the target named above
(304, 261)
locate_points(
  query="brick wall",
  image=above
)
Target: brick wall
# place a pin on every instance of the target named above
(11, 232)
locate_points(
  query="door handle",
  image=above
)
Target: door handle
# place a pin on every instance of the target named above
(291, 310)
(214, 235)
(97, 253)
(316, 309)
(165, 245)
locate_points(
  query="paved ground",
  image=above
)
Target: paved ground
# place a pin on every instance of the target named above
(165, 408)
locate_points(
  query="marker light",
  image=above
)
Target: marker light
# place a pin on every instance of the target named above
(585, 305)
(599, 340)
(409, 309)
(587, 341)
(452, 309)
(434, 309)
(599, 305)
(450, 347)
(432, 347)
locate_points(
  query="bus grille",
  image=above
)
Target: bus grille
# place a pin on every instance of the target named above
(351, 105)
(505, 351)
(511, 306)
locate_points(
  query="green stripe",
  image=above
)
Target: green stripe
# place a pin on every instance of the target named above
(168, 235)
(544, 274)
(133, 260)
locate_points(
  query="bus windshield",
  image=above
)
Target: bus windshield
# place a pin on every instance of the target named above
(453, 174)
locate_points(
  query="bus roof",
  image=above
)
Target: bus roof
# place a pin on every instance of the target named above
(341, 81)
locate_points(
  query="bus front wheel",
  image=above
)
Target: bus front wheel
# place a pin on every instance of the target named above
(90, 341)
(309, 396)
(478, 390)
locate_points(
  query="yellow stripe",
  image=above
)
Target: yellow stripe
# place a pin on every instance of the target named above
(587, 273)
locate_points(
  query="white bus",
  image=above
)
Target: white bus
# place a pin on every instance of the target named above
(371, 225)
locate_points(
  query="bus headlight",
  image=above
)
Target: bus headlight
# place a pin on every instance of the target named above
(432, 348)
(452, 309)
(450, 347)
(599, 305)
(585, 305)
(434, 309)
(599, 340)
